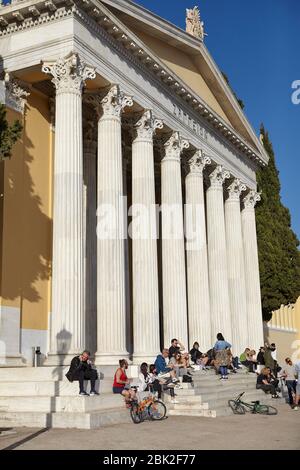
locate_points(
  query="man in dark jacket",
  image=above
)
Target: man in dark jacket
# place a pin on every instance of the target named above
(81, 370)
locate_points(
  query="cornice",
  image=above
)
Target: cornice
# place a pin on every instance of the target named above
(25, 14)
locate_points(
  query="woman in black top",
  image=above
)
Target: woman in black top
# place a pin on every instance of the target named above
(264, 382)
(195, 353)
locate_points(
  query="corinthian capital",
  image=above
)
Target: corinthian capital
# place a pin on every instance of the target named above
(146, 126)
(251, 199)
(69, 74)
(235, 189)
(115, 101)
(16, 96)
(218, 176)
(172, 148)
(197, 163)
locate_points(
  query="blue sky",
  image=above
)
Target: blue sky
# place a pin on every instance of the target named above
(256, 43)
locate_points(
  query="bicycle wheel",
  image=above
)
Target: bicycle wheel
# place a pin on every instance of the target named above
(157, 410)
(236, 407)
(266, 410)
(135, 414)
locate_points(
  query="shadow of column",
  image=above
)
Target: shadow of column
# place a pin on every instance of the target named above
(63, 344)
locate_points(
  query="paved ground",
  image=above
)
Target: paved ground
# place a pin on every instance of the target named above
(181, 433)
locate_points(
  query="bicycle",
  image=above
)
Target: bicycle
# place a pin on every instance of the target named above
(240, 407)
(149, 407)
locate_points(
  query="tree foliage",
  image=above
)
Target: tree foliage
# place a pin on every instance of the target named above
(9, 134)
(240, 102)
(279, 257)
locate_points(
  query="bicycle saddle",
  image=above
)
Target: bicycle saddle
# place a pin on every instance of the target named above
(256, 402)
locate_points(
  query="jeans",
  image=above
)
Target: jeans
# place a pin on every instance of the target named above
(87, 375)
(267, 388)
(223, 370)
(291, 386)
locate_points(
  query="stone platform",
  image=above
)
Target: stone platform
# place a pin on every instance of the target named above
(43, 397)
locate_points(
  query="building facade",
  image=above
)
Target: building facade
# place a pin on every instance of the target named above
(284, 330)
(128, 127)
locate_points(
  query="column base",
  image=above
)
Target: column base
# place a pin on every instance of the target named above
(57, 359)
(13, 361)
(138, 359)
(111, 359)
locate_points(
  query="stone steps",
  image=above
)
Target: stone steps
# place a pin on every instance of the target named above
(57, 373)
(208, 396)
(199, 413)
(93, 420)
(50, 388)
(78, 404)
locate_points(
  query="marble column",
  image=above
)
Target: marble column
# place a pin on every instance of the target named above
(217, 255)
(254, 309)
(144, 248)
(173, 250)
(236, 267)
(111, 230)
(90, 224)
(67, 335)
(196, 246)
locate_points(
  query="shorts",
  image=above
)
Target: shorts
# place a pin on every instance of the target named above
(118, 390)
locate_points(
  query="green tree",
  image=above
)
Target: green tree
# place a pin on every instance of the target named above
(279, 257)
(9, 134)
(240, 102)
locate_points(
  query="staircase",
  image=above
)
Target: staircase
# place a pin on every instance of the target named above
(43, 397)
(208, 396)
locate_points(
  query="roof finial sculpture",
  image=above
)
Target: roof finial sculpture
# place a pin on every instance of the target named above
(194, 25)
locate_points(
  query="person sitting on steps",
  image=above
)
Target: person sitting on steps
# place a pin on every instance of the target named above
(121, 383)
(161, 385)
(264, 383)
(81, 370)
(163, 370)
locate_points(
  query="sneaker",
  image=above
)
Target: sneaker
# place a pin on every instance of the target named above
(275, 396)
(84, 394)
(93, 392)
(295, 408)
(226, 377)
(174, 401)
(222, 377)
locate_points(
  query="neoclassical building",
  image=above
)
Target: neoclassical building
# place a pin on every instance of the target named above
(128, 127)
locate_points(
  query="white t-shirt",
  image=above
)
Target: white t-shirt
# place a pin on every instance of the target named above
(273, 354)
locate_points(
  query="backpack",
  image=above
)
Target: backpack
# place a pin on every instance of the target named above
(187, 379)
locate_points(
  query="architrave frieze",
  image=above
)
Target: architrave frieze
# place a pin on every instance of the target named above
(100, 19)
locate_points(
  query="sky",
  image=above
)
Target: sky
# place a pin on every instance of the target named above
(257, 44)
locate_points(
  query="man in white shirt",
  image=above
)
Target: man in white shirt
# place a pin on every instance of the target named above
(289, 373)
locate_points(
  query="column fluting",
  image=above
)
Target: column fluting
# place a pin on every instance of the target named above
(67, 333)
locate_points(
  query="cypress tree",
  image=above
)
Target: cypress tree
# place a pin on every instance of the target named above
(279, 257)
(8, 134)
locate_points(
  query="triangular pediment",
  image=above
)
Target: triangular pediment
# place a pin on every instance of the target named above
(189, 59)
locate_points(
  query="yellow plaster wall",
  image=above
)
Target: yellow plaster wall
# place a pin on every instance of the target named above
(183, 65)
(284, 331)
(27, 234)
(11, 223)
